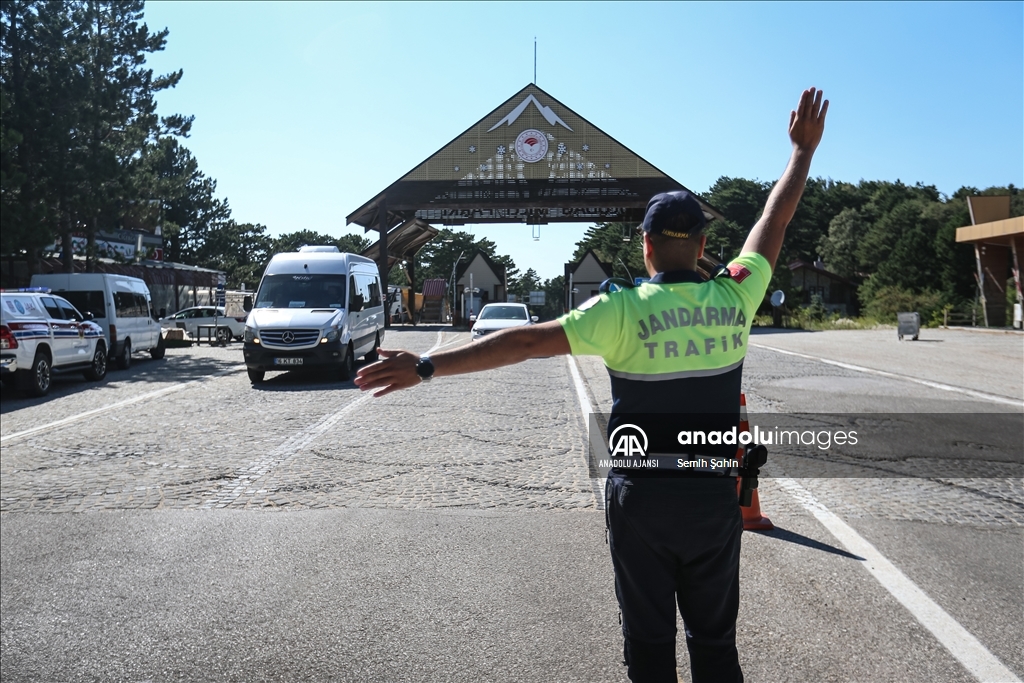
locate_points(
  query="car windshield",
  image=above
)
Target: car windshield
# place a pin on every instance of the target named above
(301, 291)
(503, 313)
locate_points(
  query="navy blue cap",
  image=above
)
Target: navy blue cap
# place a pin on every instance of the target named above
(674, 214)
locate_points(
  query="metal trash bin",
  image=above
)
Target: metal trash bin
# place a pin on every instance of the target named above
(908, 325)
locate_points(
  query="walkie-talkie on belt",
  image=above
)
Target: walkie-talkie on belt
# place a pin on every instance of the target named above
(753, 460)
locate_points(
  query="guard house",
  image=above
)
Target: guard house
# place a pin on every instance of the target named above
(998, 241)
(482, 274)
(532, 160)
(836, 292)
(583, 278)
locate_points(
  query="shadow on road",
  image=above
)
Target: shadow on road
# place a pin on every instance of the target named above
(305, 380)
(173, 368)
(793, 537)
(778, 330)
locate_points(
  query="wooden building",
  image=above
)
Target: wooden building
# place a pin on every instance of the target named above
(838, 294)
(998, 242)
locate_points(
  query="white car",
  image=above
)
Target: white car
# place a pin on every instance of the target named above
(189, 319)
(42, 334)
(495, 317)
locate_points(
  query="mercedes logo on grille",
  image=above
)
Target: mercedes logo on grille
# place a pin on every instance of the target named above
(288, 337)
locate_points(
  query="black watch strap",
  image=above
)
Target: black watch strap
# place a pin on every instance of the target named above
(425, 368)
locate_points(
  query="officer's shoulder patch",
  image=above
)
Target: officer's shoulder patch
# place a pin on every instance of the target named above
(739, 272)
(589, 303)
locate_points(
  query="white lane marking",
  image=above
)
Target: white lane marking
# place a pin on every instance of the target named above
(246, 477)
(975, 657)
(440, 338)
(112, 406)
(928, 383)
(587, 409)
(581, 391)
(458, 338)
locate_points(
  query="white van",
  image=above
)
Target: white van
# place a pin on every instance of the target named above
(121, 305)
(314, 309)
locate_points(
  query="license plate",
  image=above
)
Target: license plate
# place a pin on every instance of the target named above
(287, 361)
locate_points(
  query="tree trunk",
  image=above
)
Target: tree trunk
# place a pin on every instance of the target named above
(90, 251)
(67, 249)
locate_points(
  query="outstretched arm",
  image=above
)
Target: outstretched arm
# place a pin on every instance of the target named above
(806, 125)
(514, 345)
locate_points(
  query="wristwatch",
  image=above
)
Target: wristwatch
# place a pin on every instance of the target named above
(425, 368)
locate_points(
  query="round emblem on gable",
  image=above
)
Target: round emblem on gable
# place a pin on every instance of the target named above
(531, 145)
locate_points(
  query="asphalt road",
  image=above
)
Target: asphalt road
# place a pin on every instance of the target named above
(174, 523)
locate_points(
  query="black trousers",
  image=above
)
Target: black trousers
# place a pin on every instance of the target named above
(676, 541)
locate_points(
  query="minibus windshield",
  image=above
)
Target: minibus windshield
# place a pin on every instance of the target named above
(287, 290)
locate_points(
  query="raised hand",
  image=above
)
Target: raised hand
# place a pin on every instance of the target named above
(807, 123)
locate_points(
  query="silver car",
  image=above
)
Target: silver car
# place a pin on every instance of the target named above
(189, 319)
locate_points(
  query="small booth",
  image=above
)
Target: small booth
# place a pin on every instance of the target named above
(583, 278)
(478, 282)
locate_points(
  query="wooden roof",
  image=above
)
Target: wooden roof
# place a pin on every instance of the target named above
(531, 160)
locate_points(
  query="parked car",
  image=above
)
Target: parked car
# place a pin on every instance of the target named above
(120, 305)
(495, 317)
(42, 334)
(189, 319)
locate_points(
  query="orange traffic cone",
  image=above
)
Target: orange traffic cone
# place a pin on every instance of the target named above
(753, 520)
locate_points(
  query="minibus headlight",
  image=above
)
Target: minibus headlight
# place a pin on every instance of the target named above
(250, 335)
(331, 334)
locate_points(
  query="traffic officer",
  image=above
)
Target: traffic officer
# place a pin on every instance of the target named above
(674, 345)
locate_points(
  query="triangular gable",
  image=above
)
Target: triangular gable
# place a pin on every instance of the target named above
(588, 264)
(533, 160)
(498, 147)
(497, 269)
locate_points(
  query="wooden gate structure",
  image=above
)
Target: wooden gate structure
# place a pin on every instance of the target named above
(532, 160)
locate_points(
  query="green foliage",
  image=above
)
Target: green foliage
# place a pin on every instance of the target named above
(78, 115)
(187, 208)
(241, 250)
(838, 248)
(349, 243)
(617, 244)
(885, 236)
(887, 301)
(816, 311)
(528, 282)
(554, 292)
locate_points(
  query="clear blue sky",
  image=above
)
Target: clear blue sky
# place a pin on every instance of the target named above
(305, 111)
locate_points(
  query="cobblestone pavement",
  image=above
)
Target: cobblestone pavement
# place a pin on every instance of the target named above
(506, 439)
(511, 438)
